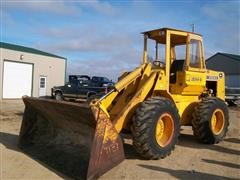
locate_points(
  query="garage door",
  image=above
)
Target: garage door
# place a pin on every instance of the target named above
(232, 80)
(17, 79)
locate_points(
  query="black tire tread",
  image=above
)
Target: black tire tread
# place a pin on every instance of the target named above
(59, 93)
(142, 120)
(201, 122)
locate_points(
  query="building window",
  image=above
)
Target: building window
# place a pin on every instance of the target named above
(42, 82)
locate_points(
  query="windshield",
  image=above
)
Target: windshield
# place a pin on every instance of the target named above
(156, 48)
(156, 51)
(99, 79)
(105, 79)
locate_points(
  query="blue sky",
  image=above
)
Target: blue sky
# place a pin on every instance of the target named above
(103, 37)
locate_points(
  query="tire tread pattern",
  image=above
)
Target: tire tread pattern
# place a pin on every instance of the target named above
(202, 117)
(143, 122)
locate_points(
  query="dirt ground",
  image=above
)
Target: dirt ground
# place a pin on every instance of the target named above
(190, 160)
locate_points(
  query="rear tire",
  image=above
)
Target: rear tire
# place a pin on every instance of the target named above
(58, 96)
(156, 128)
(210, 120)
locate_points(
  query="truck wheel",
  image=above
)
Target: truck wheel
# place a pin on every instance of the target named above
(91, 97)
(231, 103)
(58, 96)
(210, 120)
(156, 128)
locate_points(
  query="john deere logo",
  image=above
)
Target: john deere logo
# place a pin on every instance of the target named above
(196, 79)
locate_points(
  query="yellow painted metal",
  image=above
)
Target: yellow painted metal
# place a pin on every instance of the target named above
(138, 97)
(129, 91)
(187, 61)
(129, 78)
(164, 130)
(145, 49)
(125, 82)
(185, 105)
(173, 54)
(217, 121)
(189, 83)
(151, 80)
(168, 63)
(221, 86)
(146, 74)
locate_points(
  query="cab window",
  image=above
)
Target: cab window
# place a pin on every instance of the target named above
(195, 55)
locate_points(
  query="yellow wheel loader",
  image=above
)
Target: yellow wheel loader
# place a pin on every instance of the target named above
(170, 89)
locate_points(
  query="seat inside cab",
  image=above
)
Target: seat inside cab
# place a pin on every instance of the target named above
(177, 65)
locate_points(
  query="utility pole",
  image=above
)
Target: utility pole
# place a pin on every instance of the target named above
(193, 27)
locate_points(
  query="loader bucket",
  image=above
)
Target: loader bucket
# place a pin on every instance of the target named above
(81, 136)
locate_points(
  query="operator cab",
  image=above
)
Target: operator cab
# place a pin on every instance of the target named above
(180, 54)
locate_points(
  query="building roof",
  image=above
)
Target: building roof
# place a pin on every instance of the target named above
(27, 49)
(228, 63)
(231, 56)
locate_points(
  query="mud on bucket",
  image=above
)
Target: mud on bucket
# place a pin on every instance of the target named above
(77, 140)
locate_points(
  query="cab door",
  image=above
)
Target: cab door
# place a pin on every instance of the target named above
(70, 89)
(82, 89)
(195, 76)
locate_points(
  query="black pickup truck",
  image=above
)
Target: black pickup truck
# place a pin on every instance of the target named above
(232, 95)
(82, 87)
(96, 81)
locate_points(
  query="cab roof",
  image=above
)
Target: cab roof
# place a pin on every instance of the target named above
(178, 37)
(170, 29)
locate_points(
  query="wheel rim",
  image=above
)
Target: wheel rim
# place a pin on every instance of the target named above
(217, 121)
(164, 130)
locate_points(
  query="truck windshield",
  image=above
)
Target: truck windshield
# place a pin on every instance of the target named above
(99, 79)
(105, 79)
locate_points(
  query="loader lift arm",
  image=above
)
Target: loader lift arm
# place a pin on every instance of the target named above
(128, 93)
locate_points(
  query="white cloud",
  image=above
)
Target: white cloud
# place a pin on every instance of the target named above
(111, 67)
(90, 38)
(63, 7)
(102, 7)
(50, 6)
(224, 28)
(113, 51)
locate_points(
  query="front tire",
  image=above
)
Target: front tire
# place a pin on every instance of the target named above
(58, 96)
(210, 120)
(156, 127)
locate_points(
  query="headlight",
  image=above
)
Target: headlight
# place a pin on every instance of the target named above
(220, 75)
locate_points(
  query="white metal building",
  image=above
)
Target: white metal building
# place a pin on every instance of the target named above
(28, 71)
